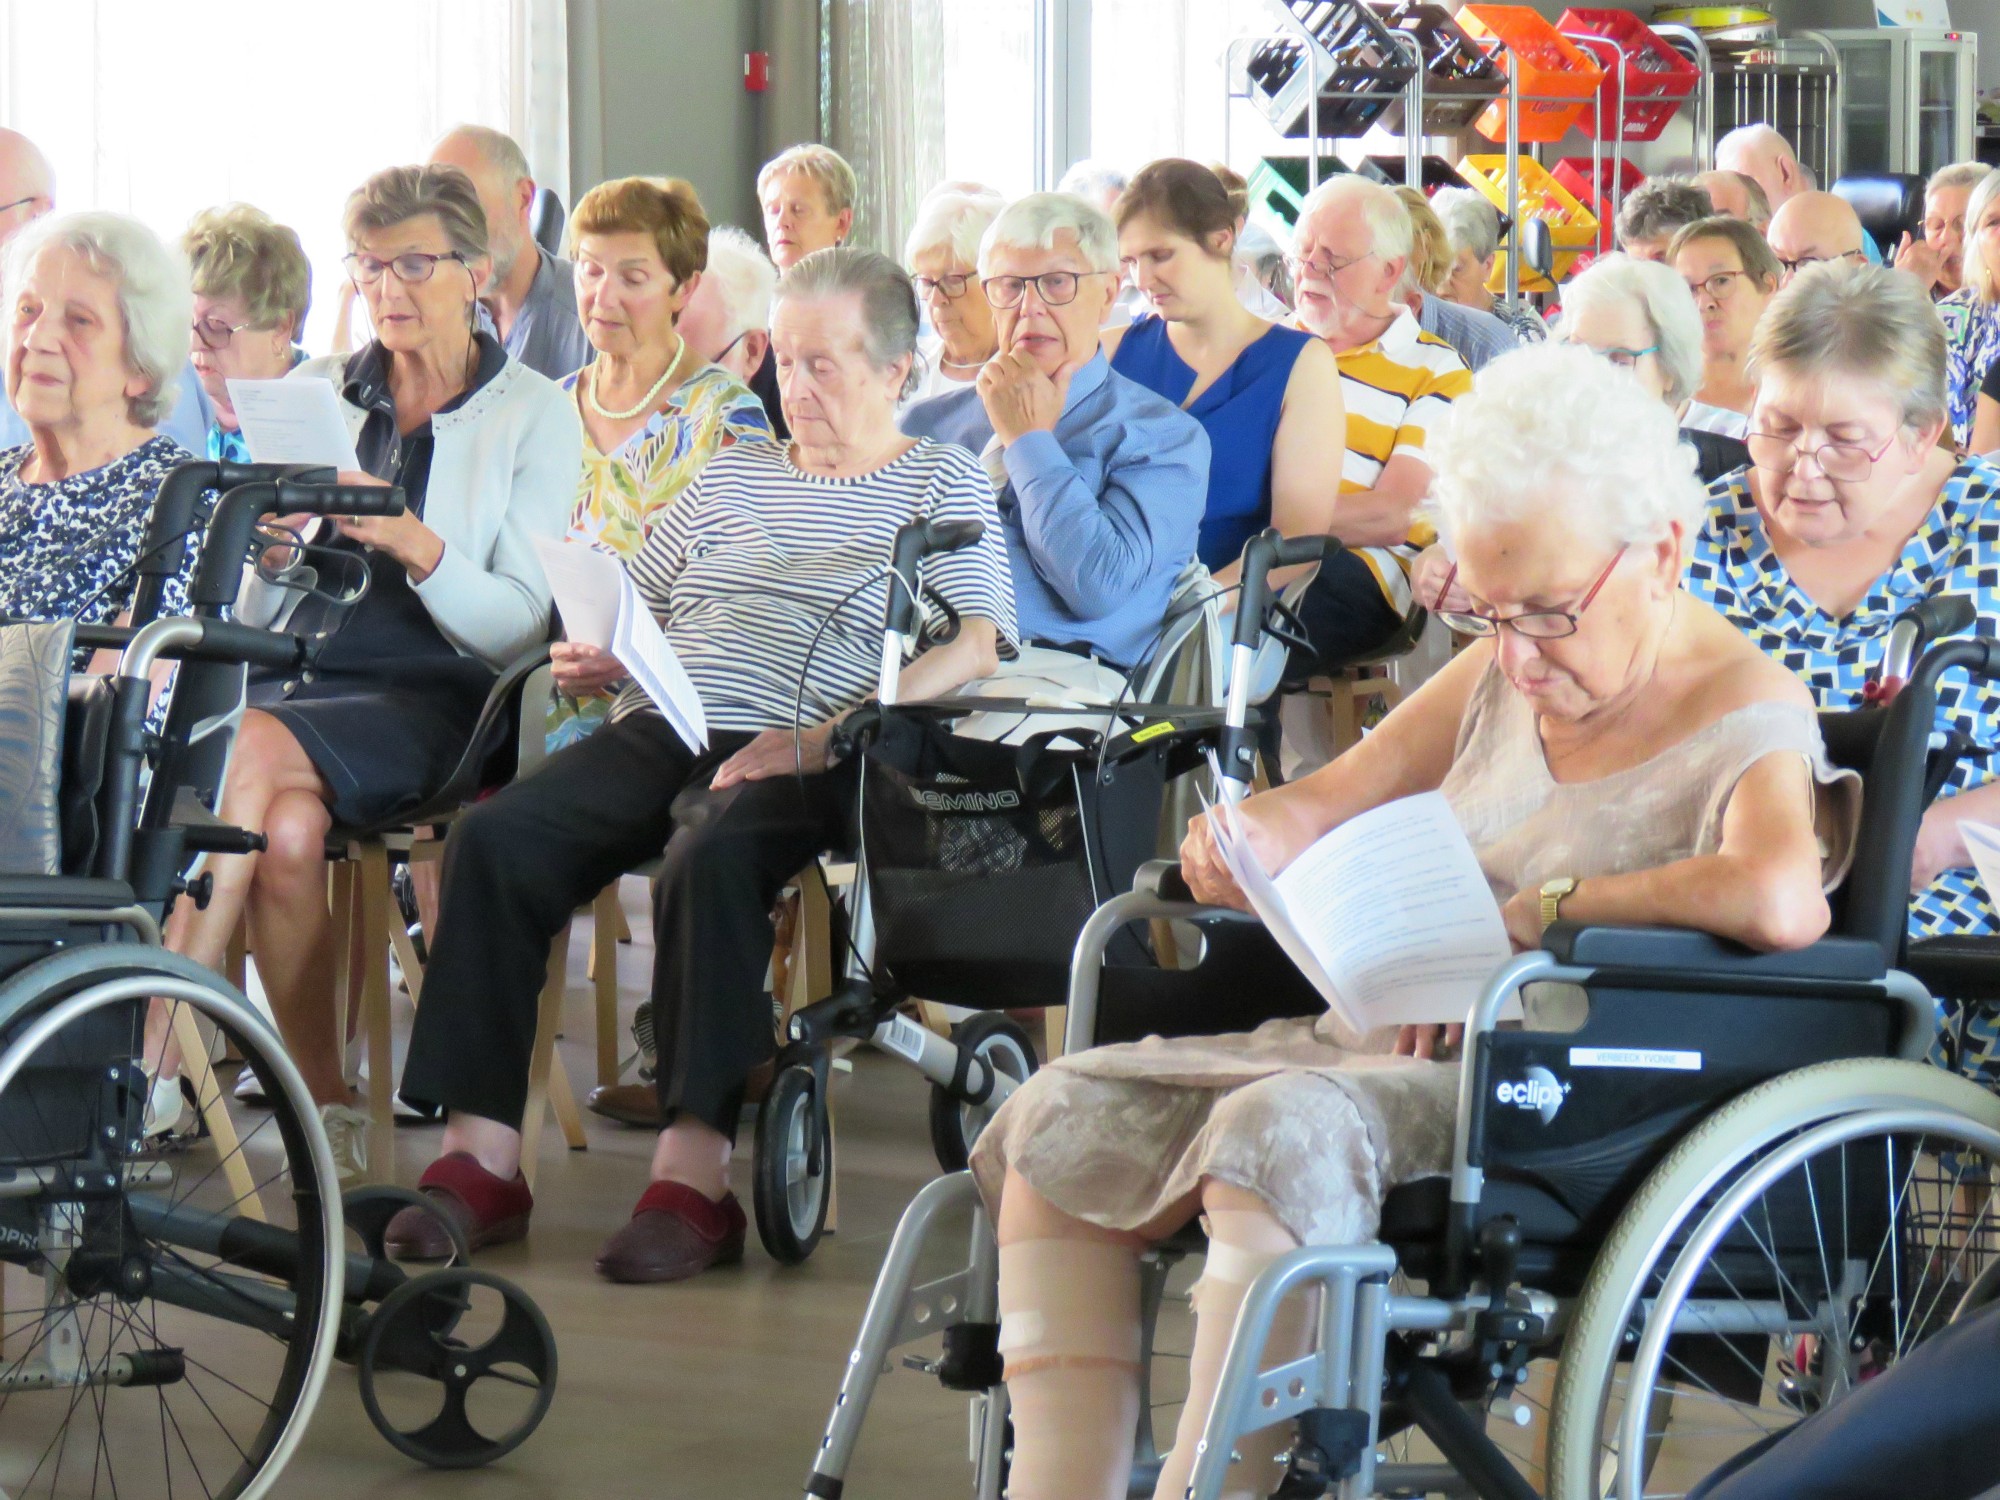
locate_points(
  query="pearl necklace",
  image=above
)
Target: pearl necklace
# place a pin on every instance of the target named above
(645, 400)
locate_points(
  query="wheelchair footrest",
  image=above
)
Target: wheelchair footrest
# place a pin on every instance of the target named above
(971, 1357)
(1329, 1448)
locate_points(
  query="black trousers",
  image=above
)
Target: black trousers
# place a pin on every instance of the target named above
(1345, 617)
(518, 865)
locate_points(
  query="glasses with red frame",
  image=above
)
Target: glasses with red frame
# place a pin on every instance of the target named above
(1535, 624)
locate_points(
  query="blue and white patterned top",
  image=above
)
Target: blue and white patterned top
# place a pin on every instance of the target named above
(1971, 345)
(1955, 551)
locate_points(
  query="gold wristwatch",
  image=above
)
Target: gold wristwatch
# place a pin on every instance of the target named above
(1553, 892)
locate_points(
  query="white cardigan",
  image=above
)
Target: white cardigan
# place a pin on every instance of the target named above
(503, 471)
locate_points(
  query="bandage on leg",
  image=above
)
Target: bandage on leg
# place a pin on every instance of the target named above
(1240, 1245)
(1069, 1332)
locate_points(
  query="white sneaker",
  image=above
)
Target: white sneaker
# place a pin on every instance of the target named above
(347, 1134)
(249, 1087)
(166, 1109)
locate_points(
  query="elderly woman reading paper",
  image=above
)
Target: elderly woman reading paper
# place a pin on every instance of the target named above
(1614, 752)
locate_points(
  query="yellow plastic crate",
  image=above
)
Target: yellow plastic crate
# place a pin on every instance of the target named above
(1572, 226)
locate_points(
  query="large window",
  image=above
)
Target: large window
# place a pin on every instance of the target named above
(1157, 80)
(161, 110)
(989, 93)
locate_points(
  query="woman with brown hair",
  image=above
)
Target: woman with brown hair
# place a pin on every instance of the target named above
(1266, 395)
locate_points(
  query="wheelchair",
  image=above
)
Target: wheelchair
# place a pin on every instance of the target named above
(1718, 1190)
(979, 863)
(169, 1314)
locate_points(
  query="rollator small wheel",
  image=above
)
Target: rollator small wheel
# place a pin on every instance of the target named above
(790, 1197)
(1003, 1045)
(458, 1368)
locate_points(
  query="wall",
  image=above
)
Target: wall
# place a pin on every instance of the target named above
(656, 88)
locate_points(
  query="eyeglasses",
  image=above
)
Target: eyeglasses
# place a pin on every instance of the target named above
(1326, 269)
(1534, 624)
(216, 334)
(954, 285)
(411, 267)
(1624, 359)
(1844, 463)
(1055, 288)
(1793, 267)
(1717, 287)
(1937, 228)
(18, 202)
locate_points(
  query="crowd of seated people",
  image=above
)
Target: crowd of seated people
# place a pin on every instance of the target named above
(1662, 538)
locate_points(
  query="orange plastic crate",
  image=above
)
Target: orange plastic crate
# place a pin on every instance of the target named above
(1572, 227)
(1558, 80)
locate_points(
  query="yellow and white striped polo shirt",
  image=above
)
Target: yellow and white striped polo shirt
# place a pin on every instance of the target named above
(1397, 389)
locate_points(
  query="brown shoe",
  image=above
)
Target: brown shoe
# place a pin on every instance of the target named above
(627, 1103)
(487, 1209)
(673, 1234)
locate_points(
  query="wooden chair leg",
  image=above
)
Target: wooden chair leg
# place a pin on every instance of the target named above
(375, 907)
(406, 957)
(1054, 1019)
(548, 1017)
(607, 912)
(215, 1113)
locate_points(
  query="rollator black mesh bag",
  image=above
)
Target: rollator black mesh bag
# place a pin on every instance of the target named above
(985, 860)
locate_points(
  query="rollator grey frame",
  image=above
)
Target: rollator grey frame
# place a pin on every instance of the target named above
(1358, 1310)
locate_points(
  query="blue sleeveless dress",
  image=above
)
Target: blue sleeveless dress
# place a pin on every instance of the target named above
(1239, 412)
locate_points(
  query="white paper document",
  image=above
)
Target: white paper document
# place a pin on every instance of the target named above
(293, 422)
(1984, 842)
(600, 607)
(1389, 915)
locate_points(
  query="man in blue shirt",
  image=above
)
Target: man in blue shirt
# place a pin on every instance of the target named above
(1101, 484)
(27, 191)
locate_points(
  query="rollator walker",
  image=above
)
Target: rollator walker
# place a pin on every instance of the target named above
(1698, 1194)
(168, 1315)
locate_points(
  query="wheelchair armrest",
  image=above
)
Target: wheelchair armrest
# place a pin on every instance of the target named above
(1161, 879)
(1680, 951)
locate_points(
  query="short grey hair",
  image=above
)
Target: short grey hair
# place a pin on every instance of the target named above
(154, 301)
(1867, 321)
(1391, 235)
(1660, 207)
(1958, 174)
(1668, 306)
(1090, 178)
(500, 150)
(953, 221)
(396, 195)
(745, 277)
(823, 165)
(1033, 222)
(1470, 220)
(1549, 434)
(888, 300)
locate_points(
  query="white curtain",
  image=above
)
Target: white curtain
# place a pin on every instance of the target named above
(882, 107)
(138, 110)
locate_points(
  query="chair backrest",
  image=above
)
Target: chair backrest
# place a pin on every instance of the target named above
(86, 731)
(1889, 204)
(545, 220)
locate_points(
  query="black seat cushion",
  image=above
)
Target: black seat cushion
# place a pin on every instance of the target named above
(86, 736)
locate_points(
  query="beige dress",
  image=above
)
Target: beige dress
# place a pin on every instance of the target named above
(1319, 1122)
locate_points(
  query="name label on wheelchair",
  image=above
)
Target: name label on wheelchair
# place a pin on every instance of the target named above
(901, 1035)
(1650, 1058)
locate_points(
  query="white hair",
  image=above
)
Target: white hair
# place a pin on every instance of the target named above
(1958, 174)
(1550, 435)
(1093, 179)
(1470, 220)
(1033, 222)
(1664, 300)
(153, 296)
(954, 221)
(745, 277)
(1391, 235)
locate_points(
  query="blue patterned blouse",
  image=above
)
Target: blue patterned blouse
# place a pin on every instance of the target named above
(1955, 551)
(1971, 345)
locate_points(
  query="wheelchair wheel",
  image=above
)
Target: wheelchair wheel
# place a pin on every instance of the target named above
(791, 1198)
(1002, 1045)
(1797, 1243)
(166, 1319)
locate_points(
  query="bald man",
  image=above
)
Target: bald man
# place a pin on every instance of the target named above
(1737, 195)
(530, 299)
(27, 191)
(1767, 158)
(1814, 227)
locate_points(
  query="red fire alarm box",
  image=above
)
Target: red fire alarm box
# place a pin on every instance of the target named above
(756, 72)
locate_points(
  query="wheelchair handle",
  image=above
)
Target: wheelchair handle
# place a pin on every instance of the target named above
(220, 572)
(1267, 550)
(1933, 620)
(915, 541)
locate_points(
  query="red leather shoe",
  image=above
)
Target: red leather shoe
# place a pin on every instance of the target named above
(489, 1210)
(673, 1234)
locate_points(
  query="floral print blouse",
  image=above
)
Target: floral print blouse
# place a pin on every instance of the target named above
(620, 495)
(1955, 551)
(1971, 345)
